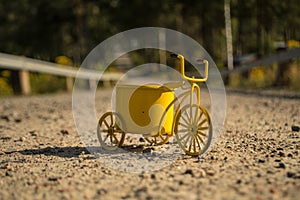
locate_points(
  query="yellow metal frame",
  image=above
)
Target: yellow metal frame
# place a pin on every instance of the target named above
(193, 81)
(193, 148)
(193, 129)
(169, 124)
(194, 88)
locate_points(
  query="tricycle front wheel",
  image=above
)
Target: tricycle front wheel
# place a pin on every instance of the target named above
(193, 129)
(109, 131)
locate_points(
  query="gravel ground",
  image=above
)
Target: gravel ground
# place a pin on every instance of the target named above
(256, 157)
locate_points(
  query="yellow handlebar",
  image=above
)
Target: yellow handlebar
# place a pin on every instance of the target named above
(193, 79)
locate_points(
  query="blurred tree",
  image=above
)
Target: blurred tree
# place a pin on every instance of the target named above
(45, 29)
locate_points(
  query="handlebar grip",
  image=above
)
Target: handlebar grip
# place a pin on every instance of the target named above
(182, 70)
(174, 55)
(200, 61)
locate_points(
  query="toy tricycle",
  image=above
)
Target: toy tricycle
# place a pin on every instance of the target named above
(150, 110)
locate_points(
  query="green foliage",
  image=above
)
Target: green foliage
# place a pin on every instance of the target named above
(261, 77)
(44, 83)
(45, 29)
(5, 89)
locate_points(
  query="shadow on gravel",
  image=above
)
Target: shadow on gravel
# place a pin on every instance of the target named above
(65, 152)
(70, 152)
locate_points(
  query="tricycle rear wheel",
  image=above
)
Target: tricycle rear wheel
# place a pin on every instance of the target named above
(158, 139)
(109, 131)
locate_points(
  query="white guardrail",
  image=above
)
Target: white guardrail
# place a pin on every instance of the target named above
(8, 61)
(24, 64)
(266, 61)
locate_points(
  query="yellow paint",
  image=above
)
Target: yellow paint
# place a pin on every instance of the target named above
(149, 102)
(293, 43)
(143, 107)
(149, 110)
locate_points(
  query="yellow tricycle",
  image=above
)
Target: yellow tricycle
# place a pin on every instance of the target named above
(155, 112)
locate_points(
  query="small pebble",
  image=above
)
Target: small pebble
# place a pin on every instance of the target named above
(5, 137)
(7, 173)
(54, 178)
(147, 150)
(281, 165)
(202, 173)
(5, 118)
(64, 132)
(210, 172)
(18, 120)
(295, 128)
(33, 133)
(290, 174)
(153, 176)
(272, 190)
(189, 171)
(22, 139)
(281, 154)
(101, 191)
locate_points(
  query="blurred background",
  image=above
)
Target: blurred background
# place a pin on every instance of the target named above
(235, 34)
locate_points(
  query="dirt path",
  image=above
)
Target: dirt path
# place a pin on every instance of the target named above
(256, 157)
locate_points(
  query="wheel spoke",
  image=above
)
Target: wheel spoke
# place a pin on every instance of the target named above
(201, 115)
(111, 120)
(118, 130)
(110, 137)
(161, 137)
(186, 141)
(202, 122)
(198, 141)
(195, 117)
(186, 135)
(185, 120)
(116, 139)
(106, 124)
(199, 118)
(203, 128)
(106, 137)
(202, 141)
(191, 114)
(194, 143)
(182, 130)
(188, 116)
(191, 144)
(184, 125)
(202, 133)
